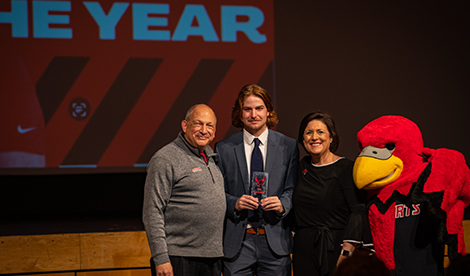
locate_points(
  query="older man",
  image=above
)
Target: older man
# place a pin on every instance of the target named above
(184, 202)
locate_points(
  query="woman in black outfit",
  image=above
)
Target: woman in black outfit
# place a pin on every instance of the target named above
(330, 218)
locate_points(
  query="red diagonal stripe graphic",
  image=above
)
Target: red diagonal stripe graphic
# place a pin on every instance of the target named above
(112, 111)
(98, 75)
(155, 102)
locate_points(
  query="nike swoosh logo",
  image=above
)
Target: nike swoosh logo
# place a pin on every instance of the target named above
(24, 130)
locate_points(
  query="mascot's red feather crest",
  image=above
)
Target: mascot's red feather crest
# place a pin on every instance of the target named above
(406, 179)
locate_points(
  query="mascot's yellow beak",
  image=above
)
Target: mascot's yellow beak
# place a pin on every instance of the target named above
(376, 167)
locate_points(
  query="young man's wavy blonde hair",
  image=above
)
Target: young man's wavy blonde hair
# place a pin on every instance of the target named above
(256, 90)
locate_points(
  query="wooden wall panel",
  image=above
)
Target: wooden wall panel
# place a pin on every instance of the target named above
(54, 274)
(114, 250)
(131, 272)
(75, 252)
(42, 253)
(466, 233)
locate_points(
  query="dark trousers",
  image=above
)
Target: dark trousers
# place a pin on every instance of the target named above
(192, 266)
(256, 258)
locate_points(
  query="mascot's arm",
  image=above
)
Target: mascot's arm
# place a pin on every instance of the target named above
(454, 226)
(451, 174)
(383, 234)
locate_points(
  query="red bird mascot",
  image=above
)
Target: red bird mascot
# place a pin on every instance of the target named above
(417, 196)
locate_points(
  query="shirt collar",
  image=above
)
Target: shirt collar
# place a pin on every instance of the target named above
(248, 137)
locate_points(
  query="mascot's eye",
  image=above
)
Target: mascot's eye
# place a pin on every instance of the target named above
(390, 146)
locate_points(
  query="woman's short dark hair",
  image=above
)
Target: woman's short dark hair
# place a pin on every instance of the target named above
(324, 118)
(256, 90)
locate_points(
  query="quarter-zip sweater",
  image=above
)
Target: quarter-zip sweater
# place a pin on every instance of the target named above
(184, 203)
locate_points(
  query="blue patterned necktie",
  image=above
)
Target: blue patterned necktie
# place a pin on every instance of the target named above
(256, 166)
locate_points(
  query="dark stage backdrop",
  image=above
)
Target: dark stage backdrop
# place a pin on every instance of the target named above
(359, 61)
(354, 60)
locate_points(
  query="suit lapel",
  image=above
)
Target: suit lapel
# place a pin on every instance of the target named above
(241, 160)
(271, 152)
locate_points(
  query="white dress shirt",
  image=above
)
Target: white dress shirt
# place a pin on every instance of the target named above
(249, 145)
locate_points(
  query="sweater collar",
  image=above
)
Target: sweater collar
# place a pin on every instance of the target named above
(182, 142)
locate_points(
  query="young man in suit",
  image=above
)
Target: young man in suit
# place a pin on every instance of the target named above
(258, 238)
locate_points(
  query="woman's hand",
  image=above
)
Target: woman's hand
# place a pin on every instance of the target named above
(349, 247)
(340, 259)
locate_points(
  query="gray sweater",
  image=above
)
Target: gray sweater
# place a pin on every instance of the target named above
(184, 203)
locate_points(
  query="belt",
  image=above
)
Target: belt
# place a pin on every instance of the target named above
(256, 231)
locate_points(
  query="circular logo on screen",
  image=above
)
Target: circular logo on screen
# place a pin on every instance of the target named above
(79, 108)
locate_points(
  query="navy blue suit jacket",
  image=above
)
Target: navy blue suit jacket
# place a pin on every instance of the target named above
(282, 157)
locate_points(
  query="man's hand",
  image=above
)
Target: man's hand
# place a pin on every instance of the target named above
(246, 202)
(273, 203)
(164, 269)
